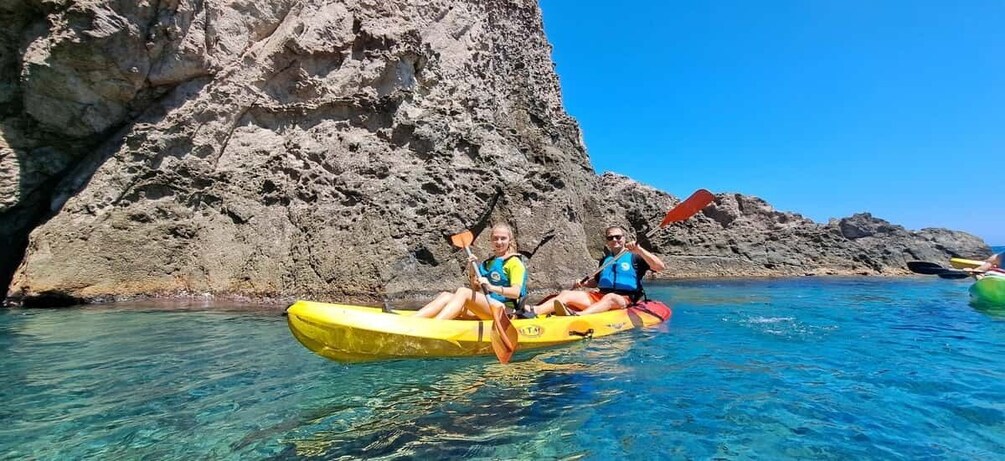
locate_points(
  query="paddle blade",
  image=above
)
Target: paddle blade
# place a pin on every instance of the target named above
(462, 240)
(686, 209)
(504, 335)
(961, 263)
(951, 274)
(925, 267)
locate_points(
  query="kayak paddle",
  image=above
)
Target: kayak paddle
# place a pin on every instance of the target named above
(688, 208)
(954, 274)
(929, 268)
(961, 263)
(504, 335)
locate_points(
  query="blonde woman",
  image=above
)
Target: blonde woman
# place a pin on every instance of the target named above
(504, 273)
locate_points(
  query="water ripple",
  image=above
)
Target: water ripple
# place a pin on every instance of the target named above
(801, 368)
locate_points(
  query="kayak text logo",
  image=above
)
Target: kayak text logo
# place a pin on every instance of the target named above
(531, 331)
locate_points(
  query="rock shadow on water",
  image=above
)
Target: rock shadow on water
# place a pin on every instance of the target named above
(452, 408)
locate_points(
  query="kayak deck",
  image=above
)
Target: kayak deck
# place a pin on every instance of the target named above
(988, 291)
(349, 333)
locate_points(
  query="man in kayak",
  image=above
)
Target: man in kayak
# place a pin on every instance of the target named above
(619, 283)
(504, 273)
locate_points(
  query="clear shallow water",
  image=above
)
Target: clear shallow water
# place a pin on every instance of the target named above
(796, 368)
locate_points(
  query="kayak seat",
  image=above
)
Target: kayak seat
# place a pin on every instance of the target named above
(520, 311)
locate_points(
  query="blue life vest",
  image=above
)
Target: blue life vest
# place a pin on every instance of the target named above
(492, 269)
(621, 277)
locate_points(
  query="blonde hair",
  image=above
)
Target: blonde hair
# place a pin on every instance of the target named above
(512, 238)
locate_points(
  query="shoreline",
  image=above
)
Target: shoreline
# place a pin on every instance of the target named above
(403, 301)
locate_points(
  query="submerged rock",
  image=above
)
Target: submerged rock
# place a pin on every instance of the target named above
(325, 150)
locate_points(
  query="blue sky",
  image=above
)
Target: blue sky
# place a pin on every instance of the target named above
(823, 108)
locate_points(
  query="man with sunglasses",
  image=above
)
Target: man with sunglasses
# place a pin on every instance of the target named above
(619, 284)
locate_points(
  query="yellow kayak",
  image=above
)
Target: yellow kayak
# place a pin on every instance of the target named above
(961, 263)
(348, 333)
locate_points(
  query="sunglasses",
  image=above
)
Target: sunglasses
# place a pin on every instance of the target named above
(615, 237)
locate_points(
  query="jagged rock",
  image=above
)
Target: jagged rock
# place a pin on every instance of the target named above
(324, 150)
(865, 225)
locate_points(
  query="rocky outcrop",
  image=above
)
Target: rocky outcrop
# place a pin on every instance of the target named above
(742, 235)
(738, 236)
(271, 148)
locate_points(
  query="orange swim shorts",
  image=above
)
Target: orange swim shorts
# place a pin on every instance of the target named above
(596, 296)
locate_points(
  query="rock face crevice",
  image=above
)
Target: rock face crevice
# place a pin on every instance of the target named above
(324, 150)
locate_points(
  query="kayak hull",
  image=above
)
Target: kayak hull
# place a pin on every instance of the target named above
(348, 333)
(988, 291)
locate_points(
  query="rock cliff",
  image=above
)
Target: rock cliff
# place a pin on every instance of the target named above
(317, 149)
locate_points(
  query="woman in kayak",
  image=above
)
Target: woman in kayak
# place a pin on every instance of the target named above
(619, 284)
(504, 274)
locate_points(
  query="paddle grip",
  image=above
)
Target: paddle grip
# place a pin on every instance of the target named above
(474, 267)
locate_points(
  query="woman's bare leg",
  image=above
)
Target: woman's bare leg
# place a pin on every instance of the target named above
(435, 306)
(608, 302)
(576, 298)
(457, 301)
(479, 307)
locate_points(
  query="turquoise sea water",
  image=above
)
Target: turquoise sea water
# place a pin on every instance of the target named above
(821, 368)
